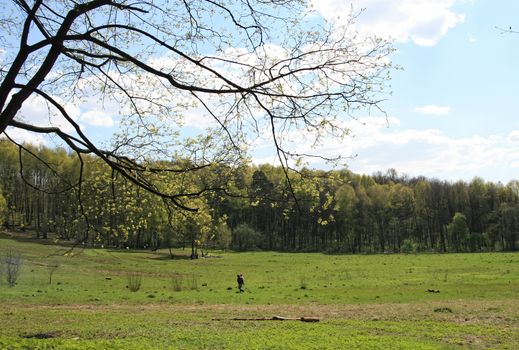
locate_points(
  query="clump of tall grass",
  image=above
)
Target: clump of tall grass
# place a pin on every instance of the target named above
(303, 283)
(52, 269)
(193, 282)
(176, 282)
(134, 281)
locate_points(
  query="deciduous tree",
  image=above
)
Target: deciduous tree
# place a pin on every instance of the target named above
(246, 68)
(458, 232)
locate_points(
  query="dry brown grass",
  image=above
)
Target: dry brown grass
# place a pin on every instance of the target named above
(504, 312)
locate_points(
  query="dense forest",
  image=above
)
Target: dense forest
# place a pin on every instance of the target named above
(58, 194)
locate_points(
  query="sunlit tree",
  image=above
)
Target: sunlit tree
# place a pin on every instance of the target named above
(458, 232)
(245, 68)
(3, 207)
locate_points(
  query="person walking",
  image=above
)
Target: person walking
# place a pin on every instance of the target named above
(241, 283)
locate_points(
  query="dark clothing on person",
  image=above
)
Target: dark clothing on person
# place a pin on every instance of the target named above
(241, 282)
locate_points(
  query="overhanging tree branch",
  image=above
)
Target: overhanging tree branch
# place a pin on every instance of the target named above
(161, 64)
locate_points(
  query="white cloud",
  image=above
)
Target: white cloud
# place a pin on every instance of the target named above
(433, 110)
(424, 22)
(427, 152)
(24, 136)
(513, 138)
(471, 39)
(36, 111)
(432, 153)
(97, 118)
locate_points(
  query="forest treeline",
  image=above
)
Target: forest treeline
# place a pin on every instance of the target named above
(47, 190)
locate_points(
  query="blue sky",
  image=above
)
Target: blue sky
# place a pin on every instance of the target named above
(453, 113)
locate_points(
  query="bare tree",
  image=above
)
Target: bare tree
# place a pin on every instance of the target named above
(12, 262)
(246, 68)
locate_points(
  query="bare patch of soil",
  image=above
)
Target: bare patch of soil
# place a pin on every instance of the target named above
(43, 335)
(504, 312)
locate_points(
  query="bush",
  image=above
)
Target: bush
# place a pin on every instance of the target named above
(246, 238)
(408, 246)
(223, 235)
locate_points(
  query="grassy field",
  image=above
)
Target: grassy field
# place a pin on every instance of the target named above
(80, 300)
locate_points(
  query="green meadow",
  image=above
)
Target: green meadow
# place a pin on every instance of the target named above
(116, 299)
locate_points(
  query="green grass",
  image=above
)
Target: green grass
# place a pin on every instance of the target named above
(364, 301)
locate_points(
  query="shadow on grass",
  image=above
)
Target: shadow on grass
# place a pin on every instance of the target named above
(165, 256)
(30, 236)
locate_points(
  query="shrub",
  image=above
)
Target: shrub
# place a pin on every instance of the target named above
(408, 246)
(223, 235)
(246, 238)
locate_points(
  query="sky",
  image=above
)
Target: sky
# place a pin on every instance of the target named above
(453, 111)
(453, 114)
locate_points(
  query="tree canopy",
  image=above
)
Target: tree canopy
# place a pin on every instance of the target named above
(242, 68)
(338, 211)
